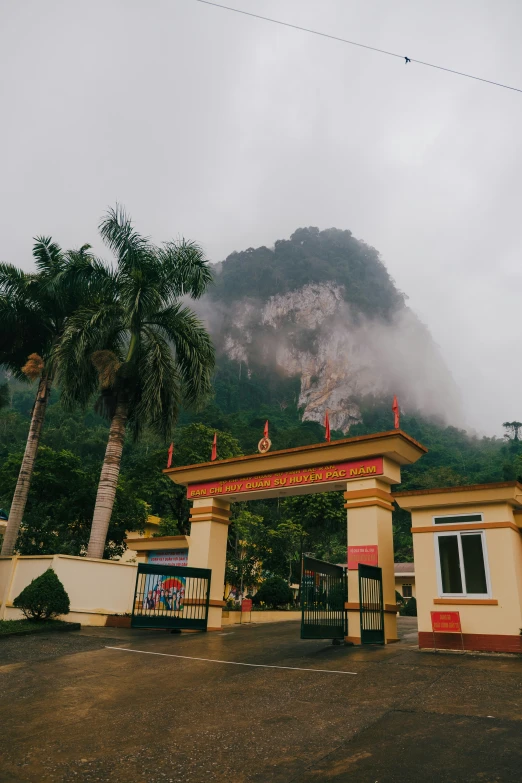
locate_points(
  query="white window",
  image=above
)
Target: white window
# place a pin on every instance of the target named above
(407, 591)
(462, 568)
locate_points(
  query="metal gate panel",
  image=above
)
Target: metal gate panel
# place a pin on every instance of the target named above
(371, 604)
(171, 597)
(324, 591)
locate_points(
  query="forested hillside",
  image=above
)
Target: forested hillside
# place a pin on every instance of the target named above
(311, 256)
(61, 499)
(275, 362)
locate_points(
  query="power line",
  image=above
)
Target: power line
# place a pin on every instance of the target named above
(407, 60)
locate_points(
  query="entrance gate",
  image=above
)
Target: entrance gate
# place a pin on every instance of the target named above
(171, 597)
(371, 604)
(324, 590)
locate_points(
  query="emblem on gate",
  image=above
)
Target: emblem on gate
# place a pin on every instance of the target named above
(264, 445)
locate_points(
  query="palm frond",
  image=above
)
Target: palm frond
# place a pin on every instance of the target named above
(156, 386)
(88, 276)
(194, 352)
(47, 255)
(14, 282)
(90, 329)
(185, 269)
(119, 235)
(139, 269)
(140, 297)
(24, 330)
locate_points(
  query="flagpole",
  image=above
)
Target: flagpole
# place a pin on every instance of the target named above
(327, 426)
(396, 412)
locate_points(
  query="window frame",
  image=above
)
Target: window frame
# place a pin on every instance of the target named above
(410, 585)
(459, 534)
(449, 519)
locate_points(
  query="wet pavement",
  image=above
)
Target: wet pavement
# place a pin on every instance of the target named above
(180, 708)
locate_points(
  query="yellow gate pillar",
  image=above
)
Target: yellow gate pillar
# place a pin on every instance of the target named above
(210, 518)
(369, 518)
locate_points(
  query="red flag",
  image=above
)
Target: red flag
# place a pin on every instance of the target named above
(213, 456)
(326, 426)
(265, 434)
(170, 452)
(395, 409)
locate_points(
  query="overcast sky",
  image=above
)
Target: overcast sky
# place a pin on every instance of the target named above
(234, 132)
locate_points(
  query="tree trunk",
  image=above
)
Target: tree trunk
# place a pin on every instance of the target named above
(108, 482)
(26, 470)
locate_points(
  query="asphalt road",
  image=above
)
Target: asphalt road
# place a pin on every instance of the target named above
(72, 709)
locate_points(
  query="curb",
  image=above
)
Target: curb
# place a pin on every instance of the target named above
(44, 629)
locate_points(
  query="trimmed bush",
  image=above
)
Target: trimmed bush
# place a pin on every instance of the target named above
(44, 598)
(273, 592)
(399, 600)
(410, 609)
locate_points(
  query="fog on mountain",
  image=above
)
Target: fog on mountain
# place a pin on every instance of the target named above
(322, 306)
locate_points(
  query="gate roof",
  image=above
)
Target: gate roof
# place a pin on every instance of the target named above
(395, 445)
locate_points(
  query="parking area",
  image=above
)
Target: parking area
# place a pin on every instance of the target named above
(147, 706)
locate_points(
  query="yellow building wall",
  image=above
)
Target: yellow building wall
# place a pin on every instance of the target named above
(151, 527)
(517, 558)
(504, 556)
(405, 580)
(492, 512)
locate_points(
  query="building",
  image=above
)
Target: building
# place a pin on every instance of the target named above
(148, 547)
(467, 545)
(405, 580)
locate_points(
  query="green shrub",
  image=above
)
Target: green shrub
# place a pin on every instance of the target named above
(399, 600)
(273, 592)
(44, 598)
(410, 609)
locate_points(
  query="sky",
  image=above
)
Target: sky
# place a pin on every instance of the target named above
(234, 132)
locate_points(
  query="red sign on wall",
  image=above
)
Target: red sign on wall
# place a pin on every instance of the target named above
(445, 622)
(246, 605)
(289, 479)
(369, 555)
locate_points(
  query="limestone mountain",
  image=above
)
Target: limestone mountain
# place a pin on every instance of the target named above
(322, 306)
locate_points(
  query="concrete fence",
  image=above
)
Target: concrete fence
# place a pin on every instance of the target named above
(96, 588)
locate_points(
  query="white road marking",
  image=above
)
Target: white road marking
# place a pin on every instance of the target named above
(234, 663)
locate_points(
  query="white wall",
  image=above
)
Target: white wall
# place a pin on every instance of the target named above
(96, 588)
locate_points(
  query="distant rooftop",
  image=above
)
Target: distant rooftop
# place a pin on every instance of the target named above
(404, 568)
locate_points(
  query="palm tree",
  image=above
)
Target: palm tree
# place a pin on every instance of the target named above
(137, 345)
(34, 308)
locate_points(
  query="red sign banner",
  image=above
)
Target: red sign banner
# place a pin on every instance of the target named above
(289, 479)
(246, 605)
(369, 555)
(445, 622)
